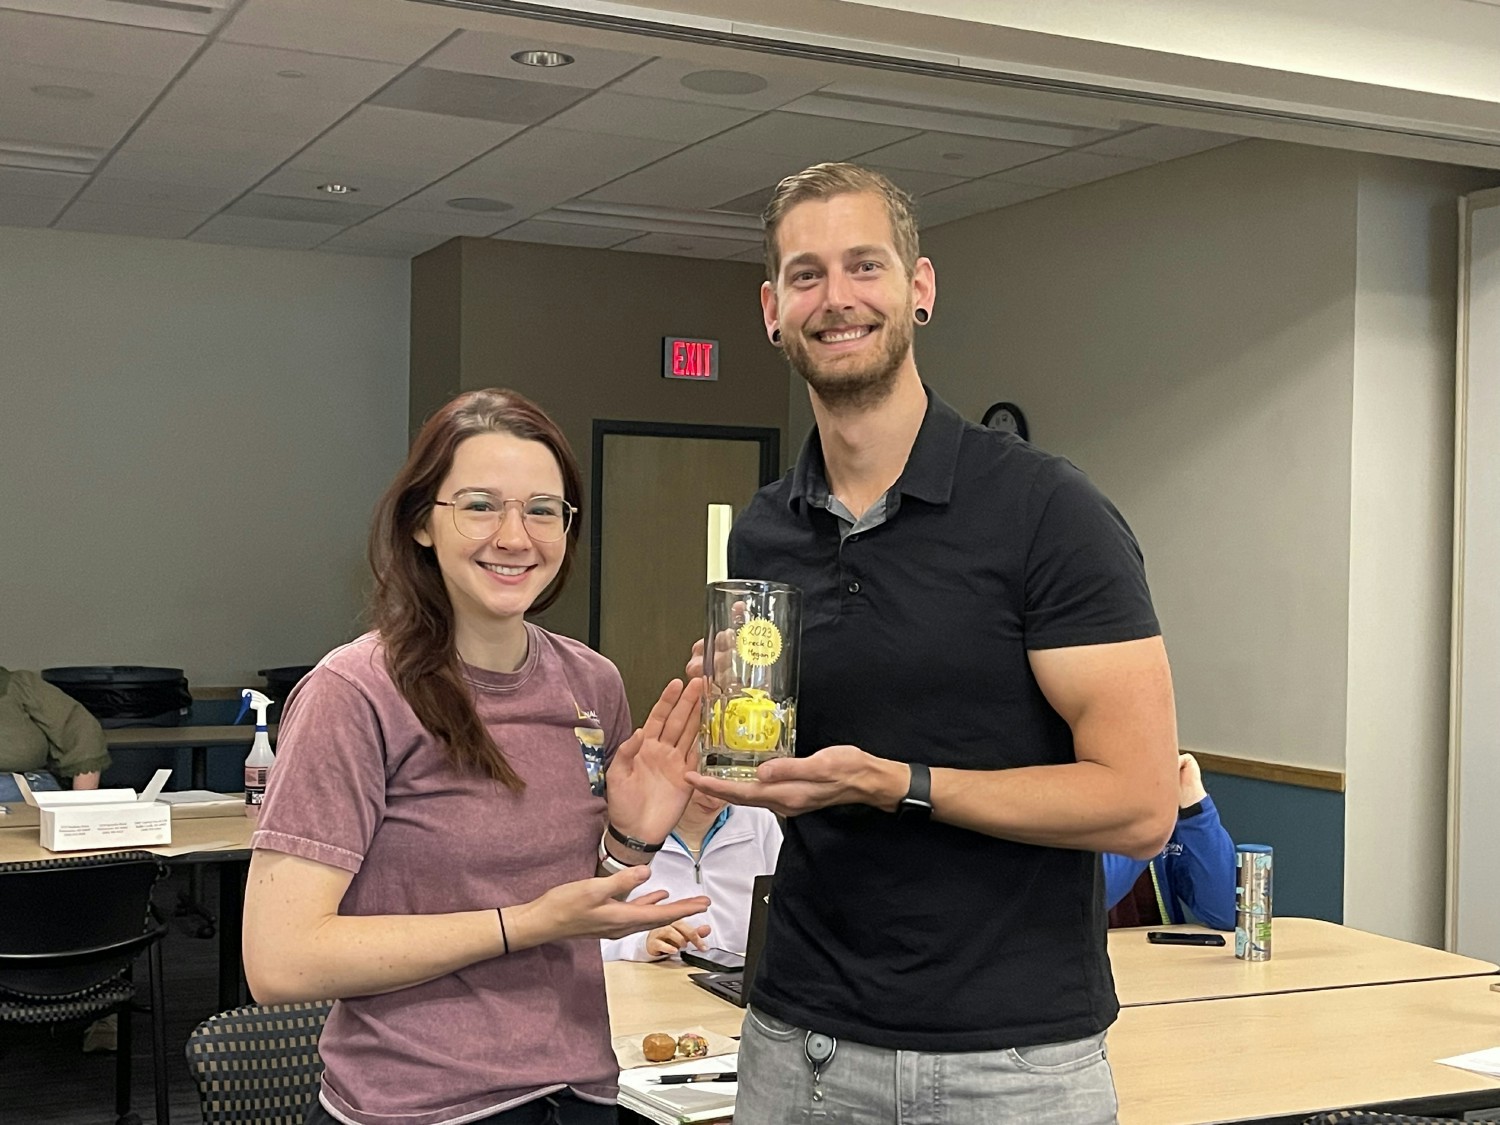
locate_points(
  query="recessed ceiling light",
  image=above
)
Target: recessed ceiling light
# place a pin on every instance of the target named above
(337, 189)
(542, 58)
(290, 74)
(479, 203)
(64, 93)
(724, 82)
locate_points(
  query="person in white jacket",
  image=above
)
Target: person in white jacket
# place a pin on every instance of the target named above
(716, 850)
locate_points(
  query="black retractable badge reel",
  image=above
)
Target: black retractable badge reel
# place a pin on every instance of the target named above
(819, 1049)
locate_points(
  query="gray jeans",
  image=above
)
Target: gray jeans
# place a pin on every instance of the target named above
(1051, 1084)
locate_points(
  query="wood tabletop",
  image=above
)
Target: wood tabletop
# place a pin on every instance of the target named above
(202, 834)
(1306, 954)
(1300, 1053)
(658, 996)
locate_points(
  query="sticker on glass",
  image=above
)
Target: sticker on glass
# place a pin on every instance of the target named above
(759, 642)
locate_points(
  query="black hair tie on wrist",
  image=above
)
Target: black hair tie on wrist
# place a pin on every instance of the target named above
(504, 937)
(631, 842)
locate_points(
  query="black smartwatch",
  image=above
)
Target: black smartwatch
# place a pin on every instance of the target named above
(916, 806)
(1195, 809)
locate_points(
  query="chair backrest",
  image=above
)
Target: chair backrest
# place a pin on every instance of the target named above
(258, 1063)
(67, 924)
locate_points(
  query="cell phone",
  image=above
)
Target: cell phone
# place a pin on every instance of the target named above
(714, 960)
(1173, 937)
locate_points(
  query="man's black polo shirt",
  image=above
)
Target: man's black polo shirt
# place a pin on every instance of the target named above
(915, 633)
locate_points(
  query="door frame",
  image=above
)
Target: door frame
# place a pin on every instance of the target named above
(768, 437)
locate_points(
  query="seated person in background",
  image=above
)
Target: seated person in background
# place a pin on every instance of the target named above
(46, 735)
(716, 850)
(1195, 870)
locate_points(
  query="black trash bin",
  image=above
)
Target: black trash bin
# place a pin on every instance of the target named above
(126, 695)
(279, 685)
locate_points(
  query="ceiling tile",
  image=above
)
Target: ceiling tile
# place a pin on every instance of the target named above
(1161, 142)
(454, 94)
(77, 44)
(247, 230)
(685, 246)
(751, 203)
(333, 27)
(451, 224)
(954, 154)
(939, 118)
(382, 243)
(1071, 169)
(28, 210)
(382, 137)
(375, 191)
(199, 17)
(567, 234)
(742, 79)
(756, 254)
(113, 104)
(597, 155)
(149, 193)
(331, 211)
(699, 177)
(973, 198)
(236, 112)
(519, 200)
(482, 52)
(655, 118)
(41, 185)
(204, 169)
(161, 135)
(120, 218)
(913, 182)
(809, 140)
(264, 73)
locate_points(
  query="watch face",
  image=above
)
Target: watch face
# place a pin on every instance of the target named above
(1006, 417)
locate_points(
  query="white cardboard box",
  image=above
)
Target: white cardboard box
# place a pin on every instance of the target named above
(88, 819)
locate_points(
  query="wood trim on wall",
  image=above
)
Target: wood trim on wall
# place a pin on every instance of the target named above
(1308, 777)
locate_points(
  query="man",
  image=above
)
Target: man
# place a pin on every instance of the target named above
(985, 704)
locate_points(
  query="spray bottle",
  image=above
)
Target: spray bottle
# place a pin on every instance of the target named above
(258, 764)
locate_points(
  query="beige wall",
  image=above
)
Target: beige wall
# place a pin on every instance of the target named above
(1401, 530)
(1186, 335)
(191, 440)
(580, 331)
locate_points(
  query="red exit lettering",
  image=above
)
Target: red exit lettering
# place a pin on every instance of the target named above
(692, 359)
(683, 357)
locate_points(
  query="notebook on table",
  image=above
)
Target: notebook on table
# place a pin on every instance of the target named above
(735, 986)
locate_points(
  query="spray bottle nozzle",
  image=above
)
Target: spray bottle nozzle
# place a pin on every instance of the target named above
(260, 702)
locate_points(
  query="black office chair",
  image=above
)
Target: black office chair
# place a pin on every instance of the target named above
(70, 930)
(1370, 1117)
(259, 1064)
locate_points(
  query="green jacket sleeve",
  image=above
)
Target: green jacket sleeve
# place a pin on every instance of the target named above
(75, 739)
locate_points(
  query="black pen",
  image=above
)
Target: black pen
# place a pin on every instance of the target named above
(679, 1079)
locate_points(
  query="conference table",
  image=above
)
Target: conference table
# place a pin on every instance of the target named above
(1336, 1018)
(217, 835)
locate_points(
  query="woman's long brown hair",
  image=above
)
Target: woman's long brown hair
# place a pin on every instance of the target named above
(410, 606)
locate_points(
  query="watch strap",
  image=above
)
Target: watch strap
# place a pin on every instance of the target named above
(918, 799)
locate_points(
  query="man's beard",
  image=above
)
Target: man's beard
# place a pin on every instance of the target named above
(845, 385)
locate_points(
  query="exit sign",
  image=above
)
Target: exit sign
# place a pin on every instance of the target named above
(683, 358)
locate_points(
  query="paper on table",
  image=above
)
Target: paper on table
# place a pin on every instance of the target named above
(188, 849)
(196, 796)
(629, 1055)
(1480, 1062)
(679, 1105)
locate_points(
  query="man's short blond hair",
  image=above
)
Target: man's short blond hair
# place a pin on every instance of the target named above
(824, 181)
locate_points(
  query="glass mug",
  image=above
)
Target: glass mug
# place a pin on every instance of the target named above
(750, 656)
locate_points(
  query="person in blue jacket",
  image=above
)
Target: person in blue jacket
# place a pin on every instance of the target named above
(1194, 872)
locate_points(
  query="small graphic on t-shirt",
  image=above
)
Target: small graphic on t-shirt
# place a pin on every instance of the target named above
(591, 742)
(585, 716)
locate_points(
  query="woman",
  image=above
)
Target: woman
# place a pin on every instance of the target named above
(438, 849)
(46, 735)
(716, 849)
